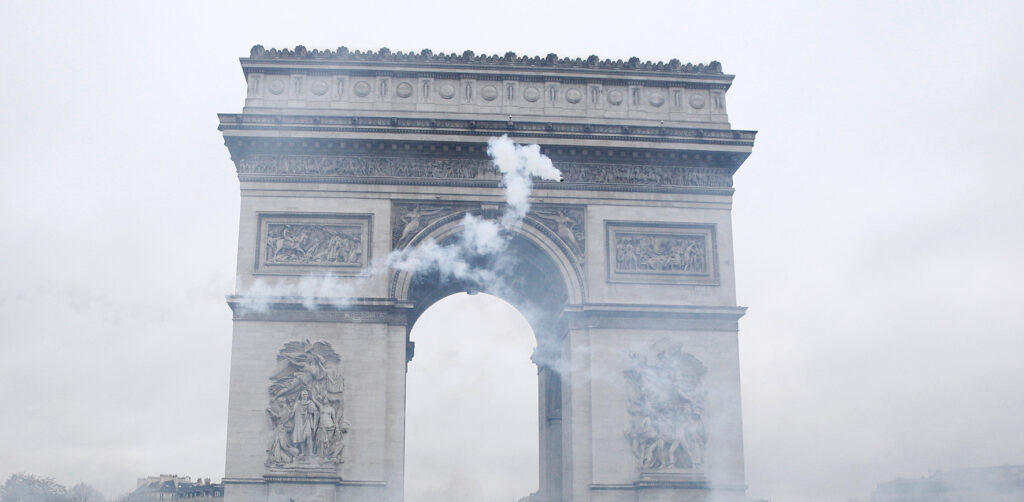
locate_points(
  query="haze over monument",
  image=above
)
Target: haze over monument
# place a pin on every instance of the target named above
(877, 225)
(620, 258)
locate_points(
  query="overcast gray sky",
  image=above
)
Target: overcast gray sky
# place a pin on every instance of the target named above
(877, 225)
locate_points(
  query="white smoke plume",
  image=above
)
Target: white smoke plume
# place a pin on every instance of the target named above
(518, 165)
(312, 290)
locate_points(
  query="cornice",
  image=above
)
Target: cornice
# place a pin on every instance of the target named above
(241, 123)
(470, 60)
(294, 309)
(659, 317)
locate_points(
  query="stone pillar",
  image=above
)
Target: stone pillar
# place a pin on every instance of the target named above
(353, 363)
(655, 407)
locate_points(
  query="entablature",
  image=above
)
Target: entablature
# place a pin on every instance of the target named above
(427, 163)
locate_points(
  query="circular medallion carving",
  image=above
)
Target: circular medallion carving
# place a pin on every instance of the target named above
(697, 101)
(447, 91)
(404, 90)
(362, 89)
(276, 86)
(615, 97)
(531, 94)
(319, 88)
(656, 100)
(489, 93)
(573, 96)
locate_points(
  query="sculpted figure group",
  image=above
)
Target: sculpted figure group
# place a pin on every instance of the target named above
(666, 411)
(306, 402)
(660, 253)
(314, 244)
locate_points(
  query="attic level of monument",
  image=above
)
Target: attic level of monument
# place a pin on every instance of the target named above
(543, 95)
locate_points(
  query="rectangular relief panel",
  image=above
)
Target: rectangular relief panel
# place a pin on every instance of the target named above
(662, 253)
(299, 243)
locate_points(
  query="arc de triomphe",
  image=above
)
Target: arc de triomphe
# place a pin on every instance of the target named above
(624, 269)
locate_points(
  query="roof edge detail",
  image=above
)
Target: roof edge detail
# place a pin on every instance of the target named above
(510, 59)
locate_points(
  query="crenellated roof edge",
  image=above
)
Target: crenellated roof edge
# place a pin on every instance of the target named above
(510, 59)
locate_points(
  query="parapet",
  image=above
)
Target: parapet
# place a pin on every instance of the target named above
(469, 86)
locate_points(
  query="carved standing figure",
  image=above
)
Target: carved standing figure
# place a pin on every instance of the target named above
(305, 415)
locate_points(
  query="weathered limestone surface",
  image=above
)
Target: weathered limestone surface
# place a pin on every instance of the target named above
(626, 267)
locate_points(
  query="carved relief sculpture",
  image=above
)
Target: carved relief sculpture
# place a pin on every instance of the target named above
(305, 412)
(355, 166)
(298, 243)
(681, 253)
(314, 244)
(666, 409)
(408, 220)
(567, 223)
(660, 253)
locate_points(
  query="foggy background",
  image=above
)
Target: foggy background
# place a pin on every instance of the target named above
(877, 227)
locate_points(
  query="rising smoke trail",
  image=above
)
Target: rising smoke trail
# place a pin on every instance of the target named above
(518, 165)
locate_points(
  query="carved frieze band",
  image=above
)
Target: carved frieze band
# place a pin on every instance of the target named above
(299, 243)
(356, 166)
(640, 252)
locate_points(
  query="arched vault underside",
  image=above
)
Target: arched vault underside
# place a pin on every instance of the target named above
(533, 273)
(624, 270)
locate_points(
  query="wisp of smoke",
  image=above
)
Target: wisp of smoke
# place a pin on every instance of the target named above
(312, 290)
(518, 165)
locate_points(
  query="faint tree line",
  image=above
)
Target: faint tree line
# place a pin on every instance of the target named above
(29, 488)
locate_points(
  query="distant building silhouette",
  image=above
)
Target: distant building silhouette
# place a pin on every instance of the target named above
(174, 487)
(988, 484)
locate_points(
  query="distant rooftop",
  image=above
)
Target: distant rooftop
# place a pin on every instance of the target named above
(510, 59)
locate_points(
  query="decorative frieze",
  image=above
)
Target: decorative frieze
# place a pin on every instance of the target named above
(360, 166)
(299, 243)
(402, 169)
(665, 253)
(666, 408)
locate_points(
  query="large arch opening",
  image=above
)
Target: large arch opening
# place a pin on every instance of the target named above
(471, 412)
(533, 283)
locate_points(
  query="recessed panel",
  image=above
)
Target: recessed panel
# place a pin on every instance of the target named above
(683, 253)
(303, 243)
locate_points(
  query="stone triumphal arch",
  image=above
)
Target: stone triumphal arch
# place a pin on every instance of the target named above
(624, 269)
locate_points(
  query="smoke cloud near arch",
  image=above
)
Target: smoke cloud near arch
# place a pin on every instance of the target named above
(479, 238)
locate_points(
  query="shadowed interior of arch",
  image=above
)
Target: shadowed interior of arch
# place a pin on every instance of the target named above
(527, 277)
(472, 420)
